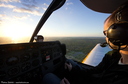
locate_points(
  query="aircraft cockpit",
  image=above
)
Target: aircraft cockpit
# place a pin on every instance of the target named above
(27, 62)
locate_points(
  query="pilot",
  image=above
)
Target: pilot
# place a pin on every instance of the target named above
(39, 38)
(113, 69)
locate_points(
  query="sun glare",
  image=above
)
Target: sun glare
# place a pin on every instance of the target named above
(16, 30)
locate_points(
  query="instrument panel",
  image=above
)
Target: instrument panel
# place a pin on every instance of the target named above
(27, 61)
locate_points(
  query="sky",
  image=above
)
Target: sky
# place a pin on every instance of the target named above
(18, 18)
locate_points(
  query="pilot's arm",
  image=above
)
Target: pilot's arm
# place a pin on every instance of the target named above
(103, 65)
(86, 74)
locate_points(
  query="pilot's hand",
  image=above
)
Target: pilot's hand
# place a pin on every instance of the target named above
(68, 66)
(64, 81)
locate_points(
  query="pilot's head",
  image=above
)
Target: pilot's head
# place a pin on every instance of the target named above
(39, 38)
(116, 27)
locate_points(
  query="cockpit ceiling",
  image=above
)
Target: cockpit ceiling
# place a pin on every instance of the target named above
(103, 6)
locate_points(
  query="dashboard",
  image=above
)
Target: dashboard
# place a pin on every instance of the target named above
(28, 61)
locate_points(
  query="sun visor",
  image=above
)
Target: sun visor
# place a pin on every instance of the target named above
(103, 6)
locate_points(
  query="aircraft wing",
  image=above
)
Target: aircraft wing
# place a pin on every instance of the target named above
(96, 55)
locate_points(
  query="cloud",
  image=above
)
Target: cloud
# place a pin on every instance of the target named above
(26, 6)
(20, 17)
(69, 3)
(0, 21)
(24, 10)
(45, 4)
(7, 6)
(45, 9)
(10, 1)
(29, 1)
(66, 8)
(30, 6)
(2, 15)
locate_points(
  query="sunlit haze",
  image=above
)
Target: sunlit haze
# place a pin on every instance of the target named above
(18, 18)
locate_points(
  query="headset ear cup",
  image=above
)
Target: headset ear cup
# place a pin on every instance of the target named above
(118, 33)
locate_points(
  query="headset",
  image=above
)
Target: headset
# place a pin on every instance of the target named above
(117, 33)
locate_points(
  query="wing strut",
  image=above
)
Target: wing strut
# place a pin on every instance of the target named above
(53, 6)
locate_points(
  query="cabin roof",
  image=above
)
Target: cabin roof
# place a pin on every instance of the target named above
(103, 6)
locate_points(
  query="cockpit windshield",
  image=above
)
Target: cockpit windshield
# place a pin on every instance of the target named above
(18, 20)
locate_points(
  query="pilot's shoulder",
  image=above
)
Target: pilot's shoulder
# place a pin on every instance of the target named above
(112, 54)
(109, 53)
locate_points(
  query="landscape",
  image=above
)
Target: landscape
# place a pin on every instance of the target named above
(77, 48)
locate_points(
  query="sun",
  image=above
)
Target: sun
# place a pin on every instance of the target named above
(16, 30)
(14, 33)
